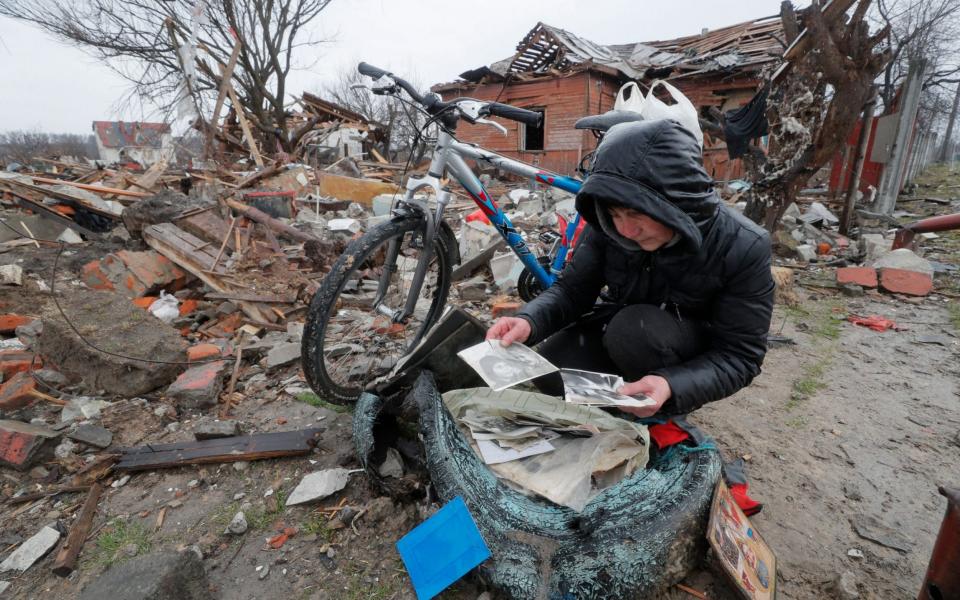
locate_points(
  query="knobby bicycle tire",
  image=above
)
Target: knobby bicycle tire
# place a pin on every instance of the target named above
(355, 256)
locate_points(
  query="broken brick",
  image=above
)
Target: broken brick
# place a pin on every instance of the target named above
(505, 309)
(202, 352)
(901, 281)
(134, 273)
(188, 306)
(198, 386)
(144, 302)
(10, 322)
(17, 392)
(863, 276)
(94, 277)
(20, 443)
(16, 361)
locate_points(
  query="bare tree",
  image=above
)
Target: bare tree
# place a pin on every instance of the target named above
(920, 29)
(152, 44)
(24, 146)
(401, 119)
(813, 106)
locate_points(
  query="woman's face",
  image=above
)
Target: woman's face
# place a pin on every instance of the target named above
(648, 233)
(505, 371)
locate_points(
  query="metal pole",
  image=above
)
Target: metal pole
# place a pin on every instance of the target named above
(893, 172)
(949, 133)
(860, 157)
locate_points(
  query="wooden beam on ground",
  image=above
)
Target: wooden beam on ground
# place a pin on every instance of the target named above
(92, 188)
(292, 298)
(220, 450)
(67, 556)
(265, 219)
(251, 142)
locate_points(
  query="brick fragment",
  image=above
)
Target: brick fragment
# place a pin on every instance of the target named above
(901, 281)
(10, 322)
(505, 309)
(17, 392)
(16, 361)
(134, 273)
(198, 386)
(144, 302)
(863, 276)
(202, 352)
(21, 443)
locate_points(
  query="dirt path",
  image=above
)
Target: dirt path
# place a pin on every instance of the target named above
(849, 424)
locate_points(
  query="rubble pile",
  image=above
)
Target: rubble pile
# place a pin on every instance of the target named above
(180, 305)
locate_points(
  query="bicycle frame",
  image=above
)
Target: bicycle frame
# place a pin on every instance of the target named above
(449, 155)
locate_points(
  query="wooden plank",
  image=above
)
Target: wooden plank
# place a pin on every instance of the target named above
(182, 248)
(67, 556)
(226, 74)
(92, 188)
(251, 142)
(205, 225)
(222, 450)
(292, 298)
(378, 156)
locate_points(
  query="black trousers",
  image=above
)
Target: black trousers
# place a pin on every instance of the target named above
(630, 341)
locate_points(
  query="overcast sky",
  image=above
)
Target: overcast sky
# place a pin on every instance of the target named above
(57, 88)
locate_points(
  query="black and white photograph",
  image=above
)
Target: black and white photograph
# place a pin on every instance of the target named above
(597, 389)
(502, 367)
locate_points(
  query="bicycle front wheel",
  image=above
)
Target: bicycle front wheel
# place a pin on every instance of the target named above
(348, 339)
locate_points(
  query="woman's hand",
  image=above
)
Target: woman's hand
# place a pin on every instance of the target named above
(653, 386)
(509, 330)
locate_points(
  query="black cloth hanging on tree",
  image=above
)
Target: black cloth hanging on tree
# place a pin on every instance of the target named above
(746, 123)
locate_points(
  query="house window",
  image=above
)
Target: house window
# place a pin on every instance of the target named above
(531, 138)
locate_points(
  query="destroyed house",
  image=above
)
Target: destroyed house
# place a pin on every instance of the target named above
(567, 77)
(338, 131)
(145, 143)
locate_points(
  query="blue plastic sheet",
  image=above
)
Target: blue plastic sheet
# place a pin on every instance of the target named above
(442, 549)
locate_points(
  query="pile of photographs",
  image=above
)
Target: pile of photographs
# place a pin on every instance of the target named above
(503, 367)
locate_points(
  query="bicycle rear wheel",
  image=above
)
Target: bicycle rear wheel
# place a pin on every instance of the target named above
(347, 341)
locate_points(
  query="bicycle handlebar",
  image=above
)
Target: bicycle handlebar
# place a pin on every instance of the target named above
(434, 105)
(377, 73)
(530, 117)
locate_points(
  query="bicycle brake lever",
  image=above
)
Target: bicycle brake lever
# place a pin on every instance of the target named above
(502, 129)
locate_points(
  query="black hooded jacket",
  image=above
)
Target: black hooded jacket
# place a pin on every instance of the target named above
(716, 270)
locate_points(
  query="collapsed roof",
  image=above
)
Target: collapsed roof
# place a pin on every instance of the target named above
(548, 50)
(117, 134)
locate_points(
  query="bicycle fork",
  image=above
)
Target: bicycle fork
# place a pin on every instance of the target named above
(393, 253)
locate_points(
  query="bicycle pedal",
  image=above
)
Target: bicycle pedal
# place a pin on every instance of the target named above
(549, 237)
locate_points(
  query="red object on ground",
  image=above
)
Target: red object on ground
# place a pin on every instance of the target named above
(202, 352)
(134, 273)
(667, 434)
(477, 215)
(824, 248)
(17, 392)
(748, 505)
(862, 276)
(9, 323)
(188, 306)
(901, 281)
(19, 444)
(874, 322)
(16, 361)
(505, 309)
(277, 541)
(145, 302)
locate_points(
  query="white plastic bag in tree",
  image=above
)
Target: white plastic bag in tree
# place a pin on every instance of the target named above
(630, 97)
(683, 111)
(166, 307)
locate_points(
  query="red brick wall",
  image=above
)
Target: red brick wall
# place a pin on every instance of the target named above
(565, 99)
(569, 98)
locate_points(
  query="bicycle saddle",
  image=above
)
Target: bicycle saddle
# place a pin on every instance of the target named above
(607, 120)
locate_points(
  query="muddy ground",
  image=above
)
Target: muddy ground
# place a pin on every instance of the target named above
(846, 423)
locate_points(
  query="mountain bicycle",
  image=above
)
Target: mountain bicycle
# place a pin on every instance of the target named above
(391, 284)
